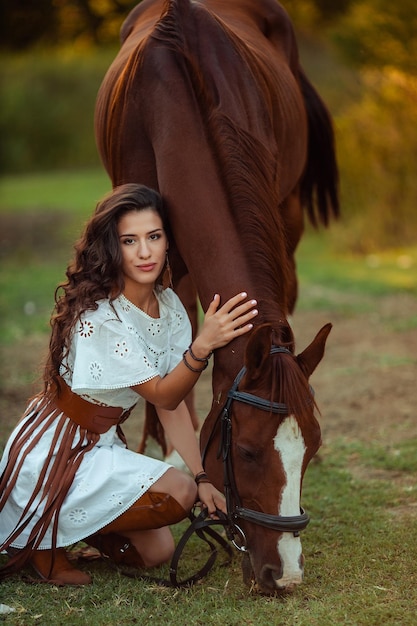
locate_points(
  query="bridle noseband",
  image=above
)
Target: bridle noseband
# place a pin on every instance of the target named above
(235, 512)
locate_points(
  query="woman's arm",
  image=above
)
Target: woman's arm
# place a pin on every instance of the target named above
(178, 426)
(219, 328)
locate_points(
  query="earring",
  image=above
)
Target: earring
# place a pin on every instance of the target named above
(167, 280)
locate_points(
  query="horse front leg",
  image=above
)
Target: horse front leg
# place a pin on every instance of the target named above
(188, 296)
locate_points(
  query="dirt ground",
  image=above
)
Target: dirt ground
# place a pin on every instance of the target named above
(365, 386)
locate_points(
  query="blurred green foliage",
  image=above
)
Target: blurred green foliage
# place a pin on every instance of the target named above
(374, 111)
(359, 55)
(377, 147)
(379, 33)
(25, 24)
(47, 109)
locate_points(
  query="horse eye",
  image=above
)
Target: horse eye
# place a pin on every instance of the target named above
(246, 454)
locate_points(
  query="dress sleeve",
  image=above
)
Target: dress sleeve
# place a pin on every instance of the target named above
(104, 356)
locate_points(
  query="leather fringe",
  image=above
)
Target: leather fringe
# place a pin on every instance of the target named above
(55, 479)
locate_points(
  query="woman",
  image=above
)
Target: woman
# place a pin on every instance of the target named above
(66, 473)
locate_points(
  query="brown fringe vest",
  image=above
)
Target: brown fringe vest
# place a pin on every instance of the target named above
(87, 421)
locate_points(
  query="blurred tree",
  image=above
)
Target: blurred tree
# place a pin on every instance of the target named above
(377, 137)
(311, 14)
(379, 33)
(25, 23)
(329, 9)
(371, 32)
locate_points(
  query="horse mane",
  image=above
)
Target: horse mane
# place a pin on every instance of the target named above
(277, 376)
(293, 388)
(245, 165)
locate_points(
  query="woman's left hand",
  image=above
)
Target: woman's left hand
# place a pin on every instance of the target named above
(212, 499)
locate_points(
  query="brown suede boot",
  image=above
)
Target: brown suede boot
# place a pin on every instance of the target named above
(152, 510)
(63, 573)
(117, 548)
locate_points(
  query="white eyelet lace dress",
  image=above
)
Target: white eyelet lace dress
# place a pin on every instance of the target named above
(113, 348)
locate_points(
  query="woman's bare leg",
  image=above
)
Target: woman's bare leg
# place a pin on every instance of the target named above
(154, 546)
(146, 524)
(179, 486)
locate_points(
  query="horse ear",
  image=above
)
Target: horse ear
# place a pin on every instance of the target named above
(257, 351)
(313, 354)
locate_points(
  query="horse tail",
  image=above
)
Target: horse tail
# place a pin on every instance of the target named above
(320, 181)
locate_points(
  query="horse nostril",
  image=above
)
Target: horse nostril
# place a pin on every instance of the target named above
(285, 584)
(269, 577)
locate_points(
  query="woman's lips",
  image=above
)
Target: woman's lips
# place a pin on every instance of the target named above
(146, 268)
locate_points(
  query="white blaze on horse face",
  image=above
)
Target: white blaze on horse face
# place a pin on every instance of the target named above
(289, 443)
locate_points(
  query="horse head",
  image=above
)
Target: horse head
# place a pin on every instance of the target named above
(268, 435)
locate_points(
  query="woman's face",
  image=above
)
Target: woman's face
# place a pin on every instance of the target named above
(143, 244)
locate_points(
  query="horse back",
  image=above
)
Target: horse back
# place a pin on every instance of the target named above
(242, 61)
(246, 68)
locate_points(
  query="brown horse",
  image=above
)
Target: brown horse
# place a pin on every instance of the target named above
(207, 102)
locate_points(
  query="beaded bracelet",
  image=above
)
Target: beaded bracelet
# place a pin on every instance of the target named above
(197, 370)
(201, 477)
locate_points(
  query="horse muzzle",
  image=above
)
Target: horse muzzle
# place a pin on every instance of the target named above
(271, 579)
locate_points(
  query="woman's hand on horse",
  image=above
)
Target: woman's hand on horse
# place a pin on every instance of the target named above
(223, 324)
(211, 499)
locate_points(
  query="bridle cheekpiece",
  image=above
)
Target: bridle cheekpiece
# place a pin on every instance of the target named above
(235, 512)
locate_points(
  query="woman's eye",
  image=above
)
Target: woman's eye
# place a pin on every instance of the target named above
(128, 242)
(154, 237)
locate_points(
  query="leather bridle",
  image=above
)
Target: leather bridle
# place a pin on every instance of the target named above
(201, 524)
(235, 512)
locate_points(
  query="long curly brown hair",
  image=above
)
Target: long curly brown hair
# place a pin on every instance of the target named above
(95, 272)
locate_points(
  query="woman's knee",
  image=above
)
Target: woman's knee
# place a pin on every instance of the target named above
(163, 555)
(178, 485)
(155, 546)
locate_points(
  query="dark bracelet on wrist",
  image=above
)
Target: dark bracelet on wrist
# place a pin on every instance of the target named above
(196, 358)
(197, 370)
(201, 477)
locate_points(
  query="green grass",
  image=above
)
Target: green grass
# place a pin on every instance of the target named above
(75, 192)
(41, 217)
(321, 260)
(331, 276)
(360, 559)
(399, 457)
